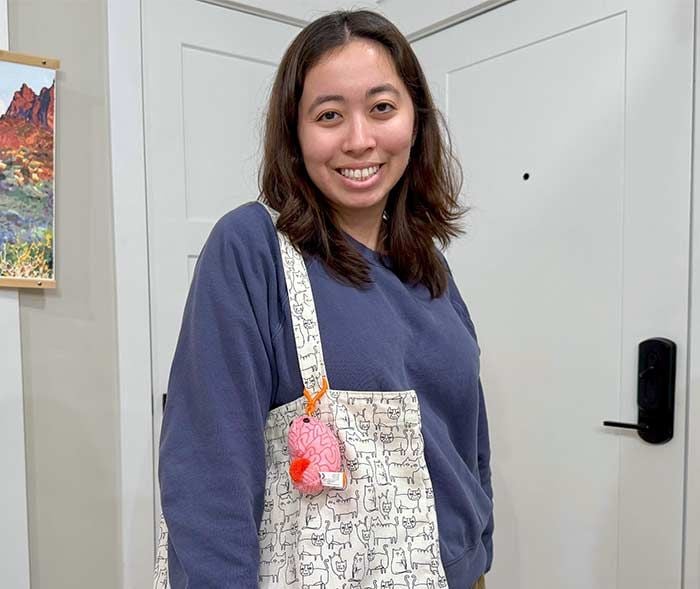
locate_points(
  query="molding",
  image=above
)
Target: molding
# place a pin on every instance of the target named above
(691, 492)
(137, 519)
(436, 27)
(456, 19)
(268, 14)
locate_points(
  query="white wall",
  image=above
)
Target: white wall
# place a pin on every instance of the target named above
(14, 537)
(69, 335)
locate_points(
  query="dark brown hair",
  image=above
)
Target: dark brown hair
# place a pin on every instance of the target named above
(422, 207)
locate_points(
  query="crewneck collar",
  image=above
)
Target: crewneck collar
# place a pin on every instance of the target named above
(372, 256)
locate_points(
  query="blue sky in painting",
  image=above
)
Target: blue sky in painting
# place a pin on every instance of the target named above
(13, 75)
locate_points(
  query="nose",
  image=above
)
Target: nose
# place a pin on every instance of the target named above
(360, 136)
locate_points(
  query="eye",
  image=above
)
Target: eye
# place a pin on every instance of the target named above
(325, 118)
(381, 107)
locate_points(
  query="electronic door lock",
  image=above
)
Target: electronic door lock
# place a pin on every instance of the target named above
(656, 381)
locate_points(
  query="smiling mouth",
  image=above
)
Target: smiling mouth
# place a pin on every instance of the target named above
(359, 175)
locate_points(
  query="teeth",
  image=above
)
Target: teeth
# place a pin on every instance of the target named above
(362, 174)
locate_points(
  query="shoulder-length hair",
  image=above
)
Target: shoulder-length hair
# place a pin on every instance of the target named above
(422, 207)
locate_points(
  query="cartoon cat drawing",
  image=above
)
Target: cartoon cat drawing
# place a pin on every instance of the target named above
(338, 565)
(358, 567)
(313, 517)
(399, 563)
(369, 500)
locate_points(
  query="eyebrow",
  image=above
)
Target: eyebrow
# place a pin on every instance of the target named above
(338, 98)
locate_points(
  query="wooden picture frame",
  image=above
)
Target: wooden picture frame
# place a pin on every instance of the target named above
(27, 179)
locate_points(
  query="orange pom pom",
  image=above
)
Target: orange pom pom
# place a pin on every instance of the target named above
(297, 468)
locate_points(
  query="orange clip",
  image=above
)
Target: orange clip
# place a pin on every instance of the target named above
(312, 400)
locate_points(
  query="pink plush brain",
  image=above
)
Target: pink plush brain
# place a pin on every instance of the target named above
(313, 448)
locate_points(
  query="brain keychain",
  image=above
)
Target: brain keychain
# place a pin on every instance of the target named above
(314, 451)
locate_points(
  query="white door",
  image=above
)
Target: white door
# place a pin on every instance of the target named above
(573, 124)
(207, 74)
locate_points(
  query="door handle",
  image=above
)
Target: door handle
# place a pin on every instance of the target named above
(656, 382)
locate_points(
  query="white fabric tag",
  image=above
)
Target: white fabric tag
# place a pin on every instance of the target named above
(333, 480)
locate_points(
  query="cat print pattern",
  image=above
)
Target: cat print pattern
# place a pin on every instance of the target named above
(380, 532)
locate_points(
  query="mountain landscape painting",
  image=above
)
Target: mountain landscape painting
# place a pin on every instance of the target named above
(27, 112)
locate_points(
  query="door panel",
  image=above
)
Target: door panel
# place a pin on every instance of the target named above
(220, 166)
(572, 122)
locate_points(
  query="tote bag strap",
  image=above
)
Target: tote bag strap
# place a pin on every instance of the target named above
(309, 354)
(302, 309)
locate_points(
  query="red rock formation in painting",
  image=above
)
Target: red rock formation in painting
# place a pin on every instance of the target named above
(38, 110)
(28, 122)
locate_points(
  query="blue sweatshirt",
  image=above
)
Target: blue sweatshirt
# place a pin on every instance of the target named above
(236, 359)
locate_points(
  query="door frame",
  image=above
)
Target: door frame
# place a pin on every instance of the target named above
(691, 512)
(136, 503)
(137, 478)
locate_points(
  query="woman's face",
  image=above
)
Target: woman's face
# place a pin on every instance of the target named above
(355, 128)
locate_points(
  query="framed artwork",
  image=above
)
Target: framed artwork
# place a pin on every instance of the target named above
(27, 156)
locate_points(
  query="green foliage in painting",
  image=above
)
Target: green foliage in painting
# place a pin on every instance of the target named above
(32, 259)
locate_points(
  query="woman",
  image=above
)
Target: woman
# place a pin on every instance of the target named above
(360, 181)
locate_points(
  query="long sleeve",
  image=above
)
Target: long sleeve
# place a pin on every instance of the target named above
(484, 458)
(212, 456)
(483, 441)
